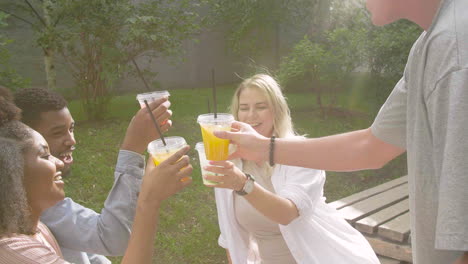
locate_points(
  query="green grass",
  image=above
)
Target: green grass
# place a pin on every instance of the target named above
(188, 229)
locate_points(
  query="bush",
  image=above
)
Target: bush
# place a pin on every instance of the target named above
(351, 44)
(8, 76)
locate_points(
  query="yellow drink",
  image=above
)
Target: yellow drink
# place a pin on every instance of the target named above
(160, 153)
(160, 157)
(215, 148)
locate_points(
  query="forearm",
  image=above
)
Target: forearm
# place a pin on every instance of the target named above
(351, 151)
(276, 208)
(228, 256)
(140, 247)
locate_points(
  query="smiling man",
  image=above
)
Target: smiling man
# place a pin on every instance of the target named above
(84, 235)
(48, 114)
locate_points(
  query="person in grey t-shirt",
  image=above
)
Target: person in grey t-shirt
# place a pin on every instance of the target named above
(85, 236)
(426, 115)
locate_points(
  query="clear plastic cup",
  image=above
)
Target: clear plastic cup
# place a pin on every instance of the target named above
(200, 147)
(215, 148)
(160, 152)
(150, 97)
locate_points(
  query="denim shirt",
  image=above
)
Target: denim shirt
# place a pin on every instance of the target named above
(85, 236)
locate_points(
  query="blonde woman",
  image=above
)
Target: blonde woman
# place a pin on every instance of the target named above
(277, 214)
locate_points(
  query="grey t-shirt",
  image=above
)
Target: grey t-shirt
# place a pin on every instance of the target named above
(427, 114)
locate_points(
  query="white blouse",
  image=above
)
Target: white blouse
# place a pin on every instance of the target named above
(319, 235)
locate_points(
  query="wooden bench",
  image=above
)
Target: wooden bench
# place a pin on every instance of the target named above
(381, 214)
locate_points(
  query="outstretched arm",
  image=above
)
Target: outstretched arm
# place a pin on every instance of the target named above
(350, 151)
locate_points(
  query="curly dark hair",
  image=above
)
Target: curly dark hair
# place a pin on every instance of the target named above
(16, 138)
(14, 208)
(8, 110)
(34, 101)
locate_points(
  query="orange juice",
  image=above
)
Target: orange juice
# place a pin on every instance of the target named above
(160, 157)
(215, 148)
(160, 153)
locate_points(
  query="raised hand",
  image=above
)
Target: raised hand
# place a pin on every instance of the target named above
(140, 131)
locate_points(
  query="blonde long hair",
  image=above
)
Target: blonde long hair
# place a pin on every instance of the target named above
(282, 123)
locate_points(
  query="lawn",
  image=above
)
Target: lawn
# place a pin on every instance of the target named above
(188, 228)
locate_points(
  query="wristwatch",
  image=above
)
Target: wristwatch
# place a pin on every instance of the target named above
(248, 187)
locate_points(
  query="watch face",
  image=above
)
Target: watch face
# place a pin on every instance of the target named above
(249, 185)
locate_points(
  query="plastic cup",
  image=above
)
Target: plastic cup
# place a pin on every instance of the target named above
(150, 97)
(215, 148)
(200, 147)
(160, 152)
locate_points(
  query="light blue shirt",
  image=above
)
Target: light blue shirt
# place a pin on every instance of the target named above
(85, 236)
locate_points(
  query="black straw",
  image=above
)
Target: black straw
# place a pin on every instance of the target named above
(214, 93)
(141, 75)
(155, 123)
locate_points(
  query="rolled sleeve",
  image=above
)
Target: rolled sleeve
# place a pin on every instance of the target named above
(303, 187)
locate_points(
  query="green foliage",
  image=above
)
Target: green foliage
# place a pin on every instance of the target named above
(253, 26)
(8, 76)
(323, 65)
(103, 39)
(389, 47)
(351, 43)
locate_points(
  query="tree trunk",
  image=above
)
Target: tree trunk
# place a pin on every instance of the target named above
(49, 50)
(320, 18)
(51, 74)
(277, 45)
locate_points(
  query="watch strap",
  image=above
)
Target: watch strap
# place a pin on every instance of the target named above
(249, 178)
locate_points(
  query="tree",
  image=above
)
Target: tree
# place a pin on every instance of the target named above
(8, 76)
(322, 66)
(350, 42)
(389, 48)
(103, 40)
(253, 26)
(43, 19)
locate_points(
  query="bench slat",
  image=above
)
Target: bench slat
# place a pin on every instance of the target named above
(370, 223)
(391, 250)
(385, 260)
(397, 229)
(369, 192)
(368, 206)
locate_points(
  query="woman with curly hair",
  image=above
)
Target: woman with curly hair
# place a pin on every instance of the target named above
(14, 212)
(31, 182)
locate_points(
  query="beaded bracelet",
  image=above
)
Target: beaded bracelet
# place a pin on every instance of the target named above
(272, 149)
